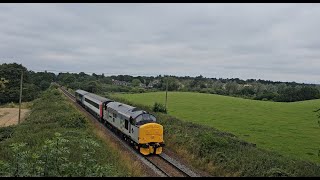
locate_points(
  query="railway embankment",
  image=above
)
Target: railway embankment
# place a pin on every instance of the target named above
(57, 140)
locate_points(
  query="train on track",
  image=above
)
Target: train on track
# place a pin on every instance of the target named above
(136, 126)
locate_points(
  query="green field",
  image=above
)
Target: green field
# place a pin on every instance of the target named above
(289, 128)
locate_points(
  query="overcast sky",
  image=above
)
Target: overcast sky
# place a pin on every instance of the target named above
(278, 42)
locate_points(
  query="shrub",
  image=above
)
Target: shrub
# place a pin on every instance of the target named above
(158, 107)
(6, 132)
(53, 159)
(276, 172)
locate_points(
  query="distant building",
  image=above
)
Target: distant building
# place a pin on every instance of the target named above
(120, 83)
(142, 85)
(247, 85)
(151, 84)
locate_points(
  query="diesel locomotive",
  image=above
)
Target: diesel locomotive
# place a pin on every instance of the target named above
(136, 126)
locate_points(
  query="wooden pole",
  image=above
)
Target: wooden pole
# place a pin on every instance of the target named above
(20, 96)
(166, 93)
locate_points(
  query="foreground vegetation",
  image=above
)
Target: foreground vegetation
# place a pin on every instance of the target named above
(289, 128)
(223, 154)
(56, 140)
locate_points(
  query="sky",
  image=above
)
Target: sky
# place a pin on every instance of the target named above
(278, 42)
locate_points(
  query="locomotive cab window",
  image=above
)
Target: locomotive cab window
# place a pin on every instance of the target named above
(132, 121)
(126, 124)
(145, 118)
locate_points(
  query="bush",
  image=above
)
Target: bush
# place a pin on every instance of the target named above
(6, 132)
(53, 159)
(157, 107)
(276, 172)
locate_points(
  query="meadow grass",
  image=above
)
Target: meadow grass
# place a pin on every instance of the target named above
(290, 129)
(221, 153)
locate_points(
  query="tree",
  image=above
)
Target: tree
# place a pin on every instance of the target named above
(307, 93)
(259, 88)
(247, 91)
(92, 86)
(198, 82)
(173, 83)
(69, 79)
(217, 85)
(12, 73)
(44, 85)
(136, 82)
(231, 87)
(3, 83)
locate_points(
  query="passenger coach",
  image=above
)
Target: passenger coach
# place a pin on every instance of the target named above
(79, 95)
(92, 102)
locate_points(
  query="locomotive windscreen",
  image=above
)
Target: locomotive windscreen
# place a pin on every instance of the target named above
(145, 118)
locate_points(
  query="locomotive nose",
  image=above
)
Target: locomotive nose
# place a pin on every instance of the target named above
(151, 138)
(151, 132)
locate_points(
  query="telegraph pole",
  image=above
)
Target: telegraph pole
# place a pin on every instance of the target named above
(20, 96)
(166, 92)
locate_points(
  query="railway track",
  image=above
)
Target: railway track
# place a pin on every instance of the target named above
(162, 165)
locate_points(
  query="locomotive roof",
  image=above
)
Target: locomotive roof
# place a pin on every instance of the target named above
(82, 92)
(98, 98)
(126, 109)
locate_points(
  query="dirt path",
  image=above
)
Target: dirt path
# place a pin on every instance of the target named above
(9, 116)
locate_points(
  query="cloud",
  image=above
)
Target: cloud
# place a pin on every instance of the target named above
(266, 41)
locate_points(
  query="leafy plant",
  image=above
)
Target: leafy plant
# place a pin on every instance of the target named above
(19, 160)
(158, 107)
(6, 132)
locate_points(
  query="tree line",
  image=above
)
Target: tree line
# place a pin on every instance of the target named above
(251, 89)
(35, 82)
